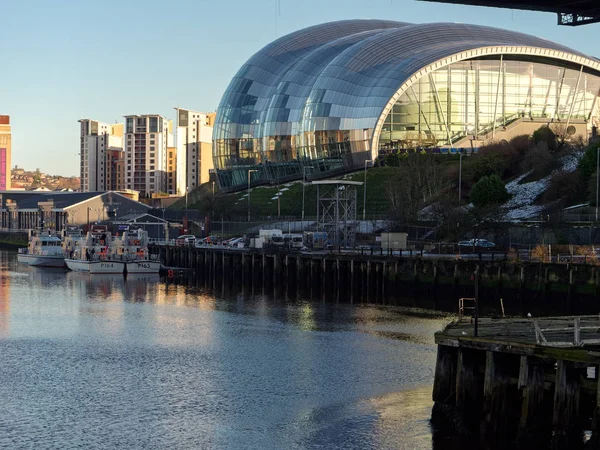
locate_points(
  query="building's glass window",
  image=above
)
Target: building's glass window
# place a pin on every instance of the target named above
(153, 124)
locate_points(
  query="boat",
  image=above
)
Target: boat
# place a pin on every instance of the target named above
(43, 250)
(133, 248)
(95, 254)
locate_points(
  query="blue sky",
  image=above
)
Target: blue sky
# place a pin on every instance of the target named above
(69, 59)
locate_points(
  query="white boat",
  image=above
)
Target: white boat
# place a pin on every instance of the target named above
(142, 266)
(132, 247)
(44, 250)
(95, 254)
(96, 266)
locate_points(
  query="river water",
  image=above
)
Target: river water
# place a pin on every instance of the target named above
(107, 362)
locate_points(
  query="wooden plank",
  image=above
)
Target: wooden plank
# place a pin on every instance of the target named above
(565, 420)
(533, 431)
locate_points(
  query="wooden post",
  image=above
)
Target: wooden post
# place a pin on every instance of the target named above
(264, 263)
(444, 384)
(533, 426)
(351, 280)
(376, 281)
(337, 279)
(469, 386)
(565, 420)
(383, 281)
(496, 423)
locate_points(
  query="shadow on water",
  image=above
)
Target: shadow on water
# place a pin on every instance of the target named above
(136, 363)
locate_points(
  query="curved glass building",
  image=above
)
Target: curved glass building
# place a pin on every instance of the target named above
(323, 100)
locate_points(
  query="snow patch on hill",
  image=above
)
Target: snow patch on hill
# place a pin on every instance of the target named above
(521, 206)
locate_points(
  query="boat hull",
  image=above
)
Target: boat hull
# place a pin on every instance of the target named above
(95, 266)
(41, 260)
(143, 266)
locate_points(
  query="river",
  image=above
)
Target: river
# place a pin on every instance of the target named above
(108, 362)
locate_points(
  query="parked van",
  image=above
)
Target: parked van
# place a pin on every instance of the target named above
(293, 240)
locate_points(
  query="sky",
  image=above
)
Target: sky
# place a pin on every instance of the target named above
(64, 60)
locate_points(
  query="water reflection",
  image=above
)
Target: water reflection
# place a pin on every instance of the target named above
(137, 363)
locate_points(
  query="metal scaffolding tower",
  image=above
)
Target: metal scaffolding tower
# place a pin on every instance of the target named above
(336, 210)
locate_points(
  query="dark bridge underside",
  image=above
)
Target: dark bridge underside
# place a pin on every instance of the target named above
(570, 12)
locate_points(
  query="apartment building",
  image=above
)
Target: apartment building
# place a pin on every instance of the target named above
(147, 138)
(5, 152)
(101, 146)
(194, 148)
(172, 170)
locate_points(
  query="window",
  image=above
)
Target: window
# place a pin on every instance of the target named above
(153, 125)
(152, 142)
(152, 148)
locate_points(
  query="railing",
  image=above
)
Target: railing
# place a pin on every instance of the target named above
(564, 331)
(462, 308)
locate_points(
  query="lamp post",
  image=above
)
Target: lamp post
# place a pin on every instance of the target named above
(460, 177)
(303, 183)
(367, 161)
(597, 178)
(249, 172)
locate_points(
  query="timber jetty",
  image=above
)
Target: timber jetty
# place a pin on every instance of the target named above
(396, 279)
(521, 383)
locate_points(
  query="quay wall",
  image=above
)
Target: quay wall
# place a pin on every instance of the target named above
(524, 287)
(11, 239)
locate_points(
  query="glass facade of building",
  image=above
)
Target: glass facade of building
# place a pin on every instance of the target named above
(323, 100)
(476, 97)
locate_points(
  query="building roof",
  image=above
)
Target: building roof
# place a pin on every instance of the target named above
(341, 75)
(136, 217)
(61, 199)
(588, 11)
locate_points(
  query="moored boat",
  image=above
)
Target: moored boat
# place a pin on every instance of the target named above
(44, 250)
(133, 247)
(95, 254)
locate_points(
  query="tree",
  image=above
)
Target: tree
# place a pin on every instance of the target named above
(546, 135)
(489, 190)
(540, 160)
(418, 178)
(588, 162)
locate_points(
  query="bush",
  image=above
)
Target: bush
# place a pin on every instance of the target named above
(540, 160)
(566, 188)
(545, 135)
(540, 253)
(489, 190)
(521, 143)
(485, 164)
(588, 162)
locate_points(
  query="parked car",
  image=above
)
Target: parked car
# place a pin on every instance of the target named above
(185, 239)
(483, 243)
(233, 242)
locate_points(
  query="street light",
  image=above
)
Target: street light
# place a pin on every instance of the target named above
(367, 161)
(597, 178)
(249, 172)
(303, 183)
(460, 177)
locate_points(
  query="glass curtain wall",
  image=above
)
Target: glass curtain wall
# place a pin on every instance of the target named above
(474, 97)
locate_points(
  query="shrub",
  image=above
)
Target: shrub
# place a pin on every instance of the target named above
(588, 162)
(540, 253)
(565, 187)
(489, 190)
(540, 160)
(545, 135)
